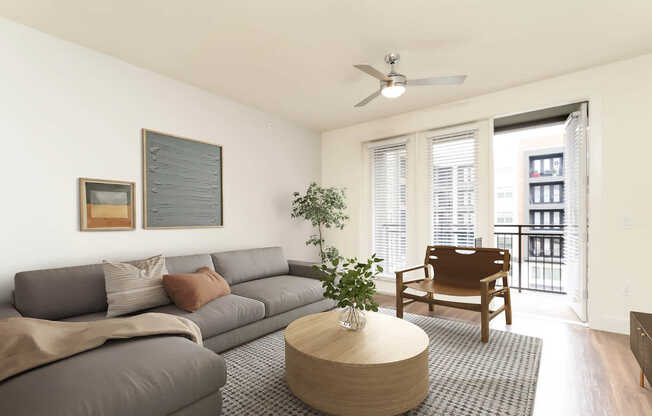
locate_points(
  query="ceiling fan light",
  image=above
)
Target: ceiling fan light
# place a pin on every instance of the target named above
(393, 91)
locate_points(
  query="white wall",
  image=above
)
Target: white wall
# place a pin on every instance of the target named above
(620, 97)
(68, 112)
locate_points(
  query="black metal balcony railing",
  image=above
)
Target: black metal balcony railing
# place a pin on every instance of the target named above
(537, 251)
(537, 256)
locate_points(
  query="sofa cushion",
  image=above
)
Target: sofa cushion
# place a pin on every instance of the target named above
(220, 315)
(188, 264)
(281, 293)
(147, 376)
(257, 329)
(243, 265)
(60, 293)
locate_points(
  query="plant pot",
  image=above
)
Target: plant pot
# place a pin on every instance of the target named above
(352, 318)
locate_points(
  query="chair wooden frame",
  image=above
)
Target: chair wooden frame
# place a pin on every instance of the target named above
(485, 287)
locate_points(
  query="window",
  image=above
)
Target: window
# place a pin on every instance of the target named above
(453, 187)
(547, 193)
(546, 165)
(546, 217)
(389, 169)
(504, 217)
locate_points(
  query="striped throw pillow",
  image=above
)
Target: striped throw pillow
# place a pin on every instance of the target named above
(135, 287)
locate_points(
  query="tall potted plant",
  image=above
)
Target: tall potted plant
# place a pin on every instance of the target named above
(324, 208)
(348, 282)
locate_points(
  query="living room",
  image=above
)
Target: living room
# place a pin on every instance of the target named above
(214, 208)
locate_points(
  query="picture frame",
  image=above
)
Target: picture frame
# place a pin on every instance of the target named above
(182, 182)
(106, 205)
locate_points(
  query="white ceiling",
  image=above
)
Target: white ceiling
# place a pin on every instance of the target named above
(294, 57)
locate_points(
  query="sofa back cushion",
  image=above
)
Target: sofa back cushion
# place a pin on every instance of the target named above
(72, 291)
(243, 265)
(188, 264)
(60, 293)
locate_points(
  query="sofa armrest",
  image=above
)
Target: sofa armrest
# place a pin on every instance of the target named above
(7, 310)
(305, 269)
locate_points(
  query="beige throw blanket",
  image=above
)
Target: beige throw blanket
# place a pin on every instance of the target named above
(26, 343)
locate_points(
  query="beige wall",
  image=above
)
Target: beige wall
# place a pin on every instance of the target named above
(68, 112)
(620, 200)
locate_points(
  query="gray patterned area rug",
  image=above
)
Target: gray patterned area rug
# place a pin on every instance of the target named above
(467, 377)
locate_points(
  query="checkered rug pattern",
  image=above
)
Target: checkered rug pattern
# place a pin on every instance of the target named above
(467, 377)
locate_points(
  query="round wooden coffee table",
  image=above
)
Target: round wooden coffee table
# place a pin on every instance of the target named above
(379, 370)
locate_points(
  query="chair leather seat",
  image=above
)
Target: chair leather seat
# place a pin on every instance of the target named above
(433, 286)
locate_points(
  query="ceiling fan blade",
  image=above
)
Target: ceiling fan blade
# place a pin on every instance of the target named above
(453, 80)
(372, 71)
(366, 100)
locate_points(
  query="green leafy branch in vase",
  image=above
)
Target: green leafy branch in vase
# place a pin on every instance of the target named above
(351, 283)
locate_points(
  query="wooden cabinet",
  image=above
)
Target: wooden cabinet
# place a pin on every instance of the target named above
(640, 340)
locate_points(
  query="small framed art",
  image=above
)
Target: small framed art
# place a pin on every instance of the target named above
(106, 205)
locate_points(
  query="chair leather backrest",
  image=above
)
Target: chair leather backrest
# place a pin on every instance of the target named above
(466, 266)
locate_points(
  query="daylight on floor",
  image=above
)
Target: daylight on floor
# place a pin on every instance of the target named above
(325, 208)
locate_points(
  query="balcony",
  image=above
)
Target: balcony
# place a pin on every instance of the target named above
(537, 256)
(537, 251)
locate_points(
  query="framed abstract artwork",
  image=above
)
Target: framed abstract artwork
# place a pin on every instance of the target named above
(106, 205)
(182, 182)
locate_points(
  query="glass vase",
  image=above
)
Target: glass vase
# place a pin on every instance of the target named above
(352, 318)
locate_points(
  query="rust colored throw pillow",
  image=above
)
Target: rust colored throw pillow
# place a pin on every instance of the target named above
(191, 291)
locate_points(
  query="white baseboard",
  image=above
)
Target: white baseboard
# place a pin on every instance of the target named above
(610, 324)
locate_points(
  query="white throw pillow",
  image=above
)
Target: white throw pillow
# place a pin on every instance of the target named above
(135, 287)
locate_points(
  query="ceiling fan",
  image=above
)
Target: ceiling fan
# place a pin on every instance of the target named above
(393, 84)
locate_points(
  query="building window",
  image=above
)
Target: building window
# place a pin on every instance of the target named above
(546, 165)
(547, 193)
(504, 218)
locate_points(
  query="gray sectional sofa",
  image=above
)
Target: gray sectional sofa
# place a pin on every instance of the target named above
(163, 375)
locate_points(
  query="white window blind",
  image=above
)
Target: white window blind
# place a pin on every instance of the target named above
(389, 170)
(575, 204)
(453, 166)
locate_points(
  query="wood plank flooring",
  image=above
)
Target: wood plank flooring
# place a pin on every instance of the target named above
(583, 371)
